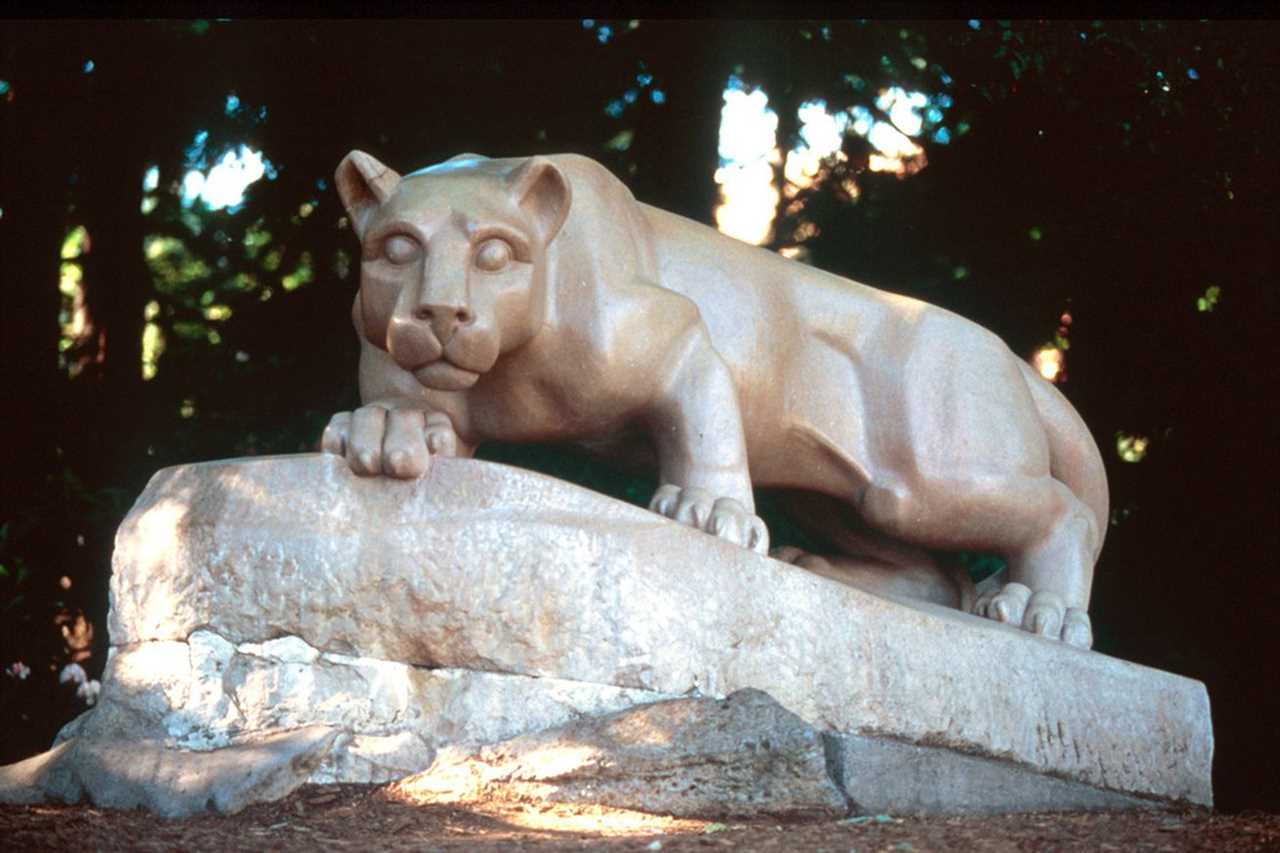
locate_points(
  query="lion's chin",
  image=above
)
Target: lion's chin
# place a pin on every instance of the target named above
(443, 376)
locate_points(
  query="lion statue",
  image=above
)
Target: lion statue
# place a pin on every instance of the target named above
(535, 300)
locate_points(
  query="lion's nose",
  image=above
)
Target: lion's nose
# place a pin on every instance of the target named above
(444, 320)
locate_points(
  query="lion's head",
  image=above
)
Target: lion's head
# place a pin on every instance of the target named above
(453, 259)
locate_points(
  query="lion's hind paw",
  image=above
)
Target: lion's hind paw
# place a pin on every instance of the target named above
(1043, 613)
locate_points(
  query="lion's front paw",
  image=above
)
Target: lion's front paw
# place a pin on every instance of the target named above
(722, 517)
(395, 442)
(1043, 613)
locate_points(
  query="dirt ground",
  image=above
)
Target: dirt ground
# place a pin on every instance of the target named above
(370, 818)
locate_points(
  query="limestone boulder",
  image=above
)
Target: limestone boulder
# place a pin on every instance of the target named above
(254, 598)
(486, 567)
(391, 717)
(126, 773)
(741, 757)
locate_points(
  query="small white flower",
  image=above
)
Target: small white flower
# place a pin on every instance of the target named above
(18, 670)
(72, 673)
(89, 690)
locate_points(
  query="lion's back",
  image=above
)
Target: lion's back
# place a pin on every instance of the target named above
(605, 228)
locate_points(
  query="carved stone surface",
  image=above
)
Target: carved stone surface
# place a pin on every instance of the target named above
(208, 694)
(882, 775)
(124, 773)
(745, 756)
(484, 567)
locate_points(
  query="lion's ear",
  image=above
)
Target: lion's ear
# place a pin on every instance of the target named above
(363, 185)
(541, 189)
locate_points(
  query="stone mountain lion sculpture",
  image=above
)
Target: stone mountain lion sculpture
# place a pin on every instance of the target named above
(535, 300)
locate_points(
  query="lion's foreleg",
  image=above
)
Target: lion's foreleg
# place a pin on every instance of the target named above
(701, 446)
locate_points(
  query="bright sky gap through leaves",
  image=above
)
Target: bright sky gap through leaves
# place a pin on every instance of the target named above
(749, 148)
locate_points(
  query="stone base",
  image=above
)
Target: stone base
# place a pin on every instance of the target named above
(207, 694)
(742, 757)
(125, 773)
(883, 776)
(482, 602)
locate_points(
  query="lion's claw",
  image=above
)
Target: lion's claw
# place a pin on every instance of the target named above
(1008, 605)
(1042, 613)
(724, 518)
(335, 435)
(1077, 630)
(441, 439)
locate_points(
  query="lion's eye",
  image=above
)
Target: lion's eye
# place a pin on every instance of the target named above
(493, 255)
(400, 249)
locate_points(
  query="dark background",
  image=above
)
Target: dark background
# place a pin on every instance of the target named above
(1140, 155)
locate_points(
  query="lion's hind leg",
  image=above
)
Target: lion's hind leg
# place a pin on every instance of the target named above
(856, 555)
(1050, 570)
(1049, 537)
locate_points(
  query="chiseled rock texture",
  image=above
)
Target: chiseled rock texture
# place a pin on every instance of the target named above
(744, 756)
(483, 602)
(391, 717)
(882, 775)
(122, 772)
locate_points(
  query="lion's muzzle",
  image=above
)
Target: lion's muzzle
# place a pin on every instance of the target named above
(445, 376)
(443, 320)
(419, 344)
(412, 342)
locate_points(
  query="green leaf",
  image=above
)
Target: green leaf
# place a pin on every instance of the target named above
(1210, 299)
(622, 141)
(190, 330)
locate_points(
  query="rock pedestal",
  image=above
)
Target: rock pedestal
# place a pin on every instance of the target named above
(383, 621)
